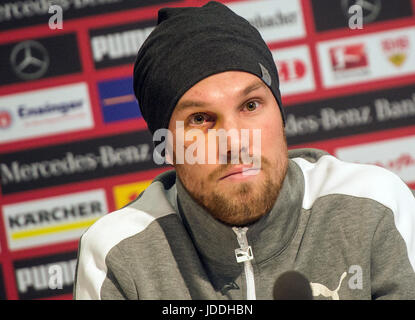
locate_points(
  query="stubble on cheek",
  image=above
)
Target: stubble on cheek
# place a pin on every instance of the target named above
(240, 203)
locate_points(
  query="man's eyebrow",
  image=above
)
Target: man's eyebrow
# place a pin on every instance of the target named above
(190, 103)
(256, 85)
(194, 103)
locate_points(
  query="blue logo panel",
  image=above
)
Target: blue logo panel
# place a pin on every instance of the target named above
(117, 100)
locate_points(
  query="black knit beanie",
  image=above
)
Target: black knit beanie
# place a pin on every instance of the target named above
(189, 44)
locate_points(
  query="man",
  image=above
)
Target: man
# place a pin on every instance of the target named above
(222, 230)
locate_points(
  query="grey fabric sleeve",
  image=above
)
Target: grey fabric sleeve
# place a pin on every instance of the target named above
(118, 284)
(392, 274)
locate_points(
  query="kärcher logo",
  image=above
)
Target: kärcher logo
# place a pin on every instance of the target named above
(56, 214)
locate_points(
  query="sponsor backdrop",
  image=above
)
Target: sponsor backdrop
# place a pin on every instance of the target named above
(73, 144)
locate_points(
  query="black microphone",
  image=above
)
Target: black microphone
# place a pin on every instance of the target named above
(292, 285)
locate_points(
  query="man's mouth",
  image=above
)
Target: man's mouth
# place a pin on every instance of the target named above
(240, 172)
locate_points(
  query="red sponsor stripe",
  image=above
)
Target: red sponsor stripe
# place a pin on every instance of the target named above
(118, 100)
(68, 296)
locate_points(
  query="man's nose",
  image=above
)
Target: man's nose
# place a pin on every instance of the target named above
(231, 127)
(230, 123)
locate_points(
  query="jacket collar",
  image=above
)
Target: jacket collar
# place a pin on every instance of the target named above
(269, 236)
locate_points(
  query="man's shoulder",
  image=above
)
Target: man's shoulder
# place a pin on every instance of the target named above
(113, 228)
(153, 203)
(325, 174)
(361, 192)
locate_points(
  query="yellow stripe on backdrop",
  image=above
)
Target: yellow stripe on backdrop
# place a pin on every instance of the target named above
(125, 193)
(53, 229)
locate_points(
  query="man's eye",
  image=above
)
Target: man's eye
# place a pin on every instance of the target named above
(198, 118)
(251, 106)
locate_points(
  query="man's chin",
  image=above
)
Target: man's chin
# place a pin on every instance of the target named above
(239, 201)
(243, 204)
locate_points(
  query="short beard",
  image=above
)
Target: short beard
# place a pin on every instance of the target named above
(247, 202)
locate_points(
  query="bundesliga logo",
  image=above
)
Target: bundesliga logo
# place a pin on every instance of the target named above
(348, 57)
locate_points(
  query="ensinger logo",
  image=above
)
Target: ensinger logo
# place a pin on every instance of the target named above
(25, 111)
(51, 220)
(46, 111)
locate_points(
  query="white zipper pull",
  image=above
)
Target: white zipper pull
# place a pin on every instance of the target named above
(244, 254)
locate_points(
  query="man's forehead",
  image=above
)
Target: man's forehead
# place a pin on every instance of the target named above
(194, 100)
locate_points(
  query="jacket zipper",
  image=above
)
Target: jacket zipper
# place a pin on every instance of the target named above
(244, 254)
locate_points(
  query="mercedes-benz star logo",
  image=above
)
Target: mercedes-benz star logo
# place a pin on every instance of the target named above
(371, 8)
(29, 60)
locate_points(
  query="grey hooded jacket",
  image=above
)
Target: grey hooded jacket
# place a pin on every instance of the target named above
(349, 228)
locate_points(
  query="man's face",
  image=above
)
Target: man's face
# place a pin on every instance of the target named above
(232, 100)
